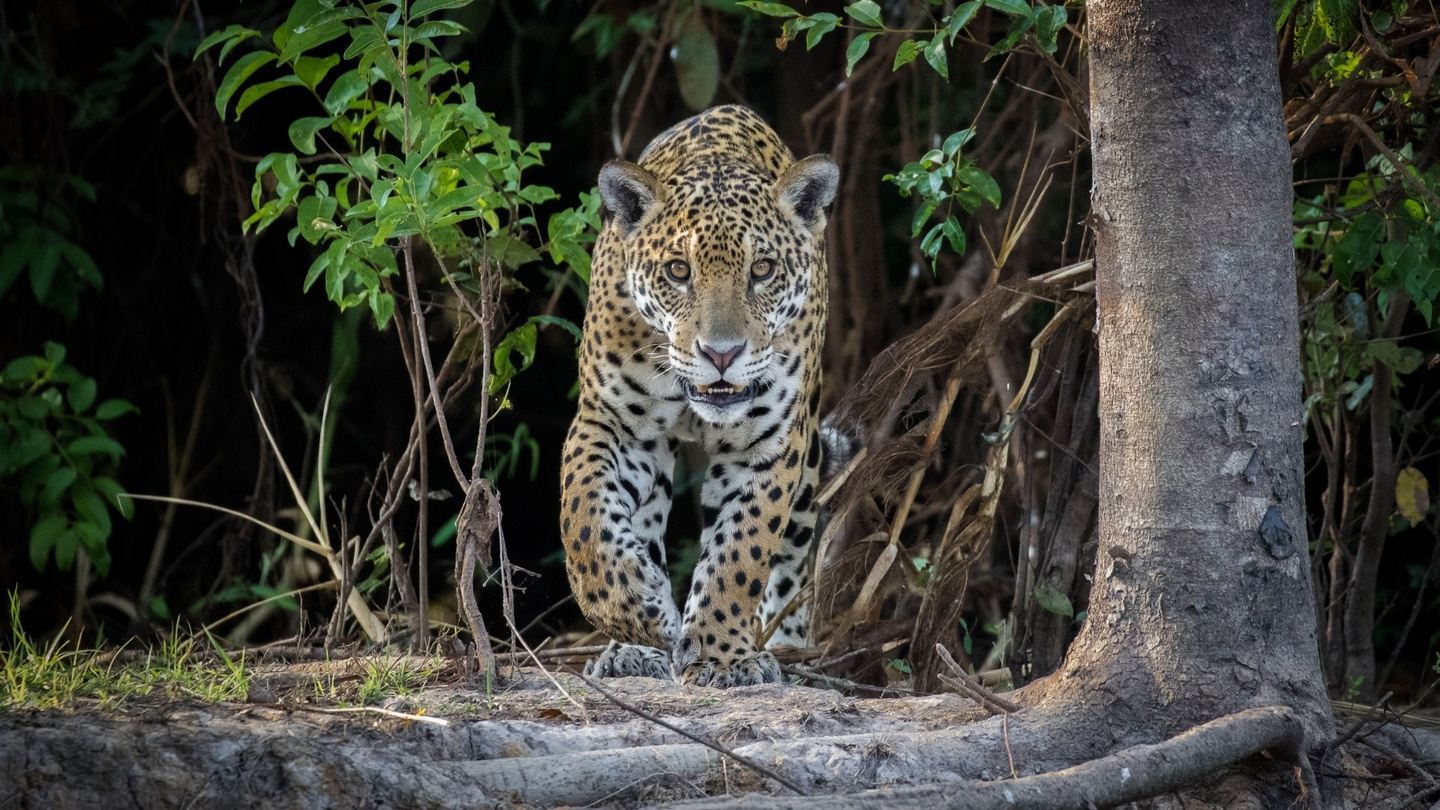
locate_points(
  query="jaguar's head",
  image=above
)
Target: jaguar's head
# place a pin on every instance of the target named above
(721, 257)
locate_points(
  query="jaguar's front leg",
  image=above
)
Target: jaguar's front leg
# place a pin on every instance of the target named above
(616, 496)
(621, 659)
(747, 499)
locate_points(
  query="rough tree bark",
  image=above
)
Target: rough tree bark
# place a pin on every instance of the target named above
(1202, 602)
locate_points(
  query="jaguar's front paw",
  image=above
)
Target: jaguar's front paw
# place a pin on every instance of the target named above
(629, 660)
(742, 670)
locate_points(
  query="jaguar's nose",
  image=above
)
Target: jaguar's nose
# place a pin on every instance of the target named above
(721, 357)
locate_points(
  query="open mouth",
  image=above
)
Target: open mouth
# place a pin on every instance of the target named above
(721, 394)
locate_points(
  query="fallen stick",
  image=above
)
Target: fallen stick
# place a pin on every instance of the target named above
(960, 681)
(418, 718)
(637, 711)
(833, 682)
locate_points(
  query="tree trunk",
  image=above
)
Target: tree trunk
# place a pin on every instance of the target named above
(1202, 603)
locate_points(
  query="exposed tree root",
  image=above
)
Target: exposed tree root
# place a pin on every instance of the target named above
(1125, 776)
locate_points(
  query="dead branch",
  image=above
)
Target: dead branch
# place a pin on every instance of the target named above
(972, 689)
(638, 712)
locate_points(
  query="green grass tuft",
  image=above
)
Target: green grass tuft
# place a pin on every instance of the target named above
(56, 675)
(395, 677)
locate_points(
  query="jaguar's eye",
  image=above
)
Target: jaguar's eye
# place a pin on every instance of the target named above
(678, 271)
(762, 269)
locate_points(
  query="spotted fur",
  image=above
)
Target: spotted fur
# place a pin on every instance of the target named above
(706, 318)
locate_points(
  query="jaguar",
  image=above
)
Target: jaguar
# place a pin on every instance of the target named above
(705, 322)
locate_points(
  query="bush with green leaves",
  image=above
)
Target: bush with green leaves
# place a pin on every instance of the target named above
(1041, 21)
(54, 445)
(1364, 251)
(399, 170)
(943, 178)
(1374, 235)
(398, 150)
(37, 224)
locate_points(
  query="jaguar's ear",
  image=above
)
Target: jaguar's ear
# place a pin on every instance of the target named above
(629, 192)
(807, 188)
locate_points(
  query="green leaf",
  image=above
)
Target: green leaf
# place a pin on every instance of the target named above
(770, 9)
(113, 409)
(43, 537)
(66, 544)
(231, 35)
(906, 53)
(56, 483)
(230, 46)
(1358, 247)
(317, 31)
(959, 18)
(92, 539)
(35, 408)
(955, 236)
(1053, 601)
(956, 141)
(866, 12)
(256, 92)
(311, 70)
(1015, 8)
(113, 494)
(922, 216)
(1049, 21)
(1283, 8)
(303, 131)
(857, 50)
(538, 195)
(901, 665)
(552, 320)
(42, 272)
(440, 28)
(981, 182)
(346, 87)
(1337, 19)
(24, 369)
(521, 340)
(81, 263)
(697, 64)
(89, 506)
(238, 74)
(12, 260)
(935, 55)
(317, 268)
(509, 251)
(93, 445)
(382, 306)
(1018, 27)
(930, 245)
(31, 445)
(420, 8)
(824, 24)
(313, 217)
(81, 394)
(1358, 395)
